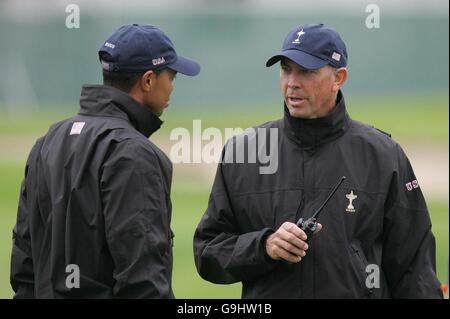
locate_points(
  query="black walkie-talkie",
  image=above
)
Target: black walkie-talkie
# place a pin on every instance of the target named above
(309, 225)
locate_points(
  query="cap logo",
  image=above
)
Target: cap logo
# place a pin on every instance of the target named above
(299, 34)
(109, 45)
(336, 56)
(158, 61)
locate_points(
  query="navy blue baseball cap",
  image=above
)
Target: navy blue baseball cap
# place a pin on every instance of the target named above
(312, 46)
(139, 47)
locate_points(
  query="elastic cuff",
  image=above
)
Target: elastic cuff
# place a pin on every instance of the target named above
(266, 232)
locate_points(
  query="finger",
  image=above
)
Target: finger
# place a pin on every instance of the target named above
(291, 238)
(319, 227)
(294, 229)
(283, 254)
(291, 248)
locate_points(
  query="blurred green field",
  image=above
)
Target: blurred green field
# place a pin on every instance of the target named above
(422, 117)
(412, 119)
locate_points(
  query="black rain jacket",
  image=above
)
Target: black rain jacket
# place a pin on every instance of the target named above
(388, 228)
(96, 196)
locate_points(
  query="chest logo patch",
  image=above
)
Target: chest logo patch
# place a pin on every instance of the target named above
(351, 197)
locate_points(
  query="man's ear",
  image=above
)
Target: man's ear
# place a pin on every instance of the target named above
(340, 75)
(147, 80)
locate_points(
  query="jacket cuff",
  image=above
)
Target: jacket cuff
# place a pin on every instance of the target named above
(265, 233)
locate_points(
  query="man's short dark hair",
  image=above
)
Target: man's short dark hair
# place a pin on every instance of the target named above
(121, 81)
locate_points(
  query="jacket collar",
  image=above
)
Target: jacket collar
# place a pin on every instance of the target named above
(108, 101)
(311, 133)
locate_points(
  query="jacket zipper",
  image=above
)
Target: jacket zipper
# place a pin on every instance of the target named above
(362, 261)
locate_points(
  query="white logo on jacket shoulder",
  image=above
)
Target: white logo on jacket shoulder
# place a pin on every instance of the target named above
(76, 128)
(412, 185)
(351, 197)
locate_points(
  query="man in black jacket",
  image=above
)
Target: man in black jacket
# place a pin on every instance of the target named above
(376, 240)
(94, 212)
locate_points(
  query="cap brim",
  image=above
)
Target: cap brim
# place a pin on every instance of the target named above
(185, 66)
(303, 59)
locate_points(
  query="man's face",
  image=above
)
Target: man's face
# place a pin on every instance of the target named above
(159, 96)
(308, 94)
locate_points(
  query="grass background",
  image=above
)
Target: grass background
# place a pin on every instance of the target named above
(421, 119)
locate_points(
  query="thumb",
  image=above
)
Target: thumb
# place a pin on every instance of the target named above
(319, 227)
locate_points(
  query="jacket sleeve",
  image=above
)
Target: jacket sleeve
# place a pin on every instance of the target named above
(22, 273)
(409, 249)
(223, 254)
(136, 222)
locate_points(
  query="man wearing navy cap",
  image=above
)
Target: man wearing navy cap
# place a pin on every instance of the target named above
(374, 238)
(94, 212)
